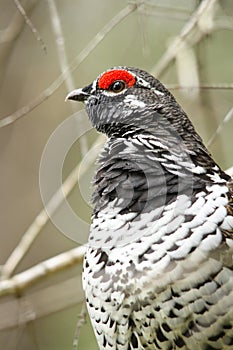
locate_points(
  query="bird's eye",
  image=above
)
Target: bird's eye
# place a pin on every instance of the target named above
(117, 86)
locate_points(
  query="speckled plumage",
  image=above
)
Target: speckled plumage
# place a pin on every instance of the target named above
(158, 268)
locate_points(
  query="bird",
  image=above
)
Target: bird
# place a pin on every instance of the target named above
(158, 270)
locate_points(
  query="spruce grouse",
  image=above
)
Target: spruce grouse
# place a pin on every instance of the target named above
(158, 267)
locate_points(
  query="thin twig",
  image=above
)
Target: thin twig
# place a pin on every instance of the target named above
(80, 323)
(74, 65)
(42, 218)
(177, 44)
(212, 86)
(30, 24)
(168, 12)
(141, 24)
(20, 282)
(160, 14)
(226, 119)
(63, 61)
(166, 8)
(56, 25)
(12, 31)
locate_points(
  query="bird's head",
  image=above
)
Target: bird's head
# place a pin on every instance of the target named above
(123, 97)
(129, 102)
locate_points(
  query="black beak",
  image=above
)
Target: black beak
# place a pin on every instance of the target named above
(77, 95)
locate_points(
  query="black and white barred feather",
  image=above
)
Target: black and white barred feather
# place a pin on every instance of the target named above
(158, 268)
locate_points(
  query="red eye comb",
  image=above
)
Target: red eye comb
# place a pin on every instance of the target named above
(108, 78)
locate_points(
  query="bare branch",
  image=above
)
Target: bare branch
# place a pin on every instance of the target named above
(56, 25)
(30, 24)
(193, 31)
(22, 281)
(54, 203)
(74, 65)
(57, 28)
(226, 119)
(11, 32)
(80, 323)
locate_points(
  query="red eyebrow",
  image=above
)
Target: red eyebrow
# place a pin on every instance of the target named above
(106, 79)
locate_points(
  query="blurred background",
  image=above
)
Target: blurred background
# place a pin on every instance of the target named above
(47, 48)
